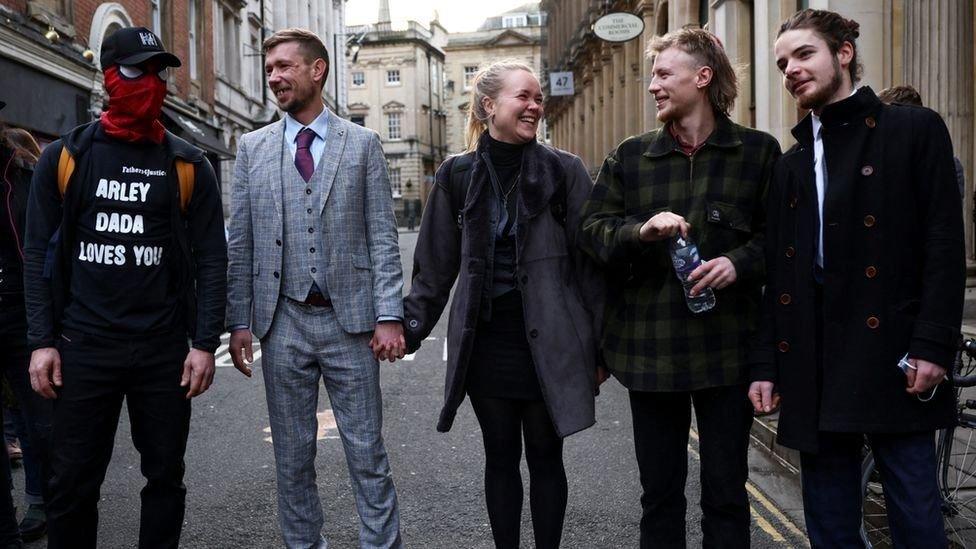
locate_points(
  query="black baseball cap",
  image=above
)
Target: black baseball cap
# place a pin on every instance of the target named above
(133, 45)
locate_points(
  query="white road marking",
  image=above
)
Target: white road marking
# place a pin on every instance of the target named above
(444, 354)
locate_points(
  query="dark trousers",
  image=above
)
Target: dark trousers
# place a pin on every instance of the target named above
(661, 425)
(98, 373)
(503, 424)
(832, 489)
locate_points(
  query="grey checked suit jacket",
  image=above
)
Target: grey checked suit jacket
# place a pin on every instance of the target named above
(359, 235)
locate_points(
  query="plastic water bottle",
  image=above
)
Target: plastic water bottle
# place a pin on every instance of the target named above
(684, 257)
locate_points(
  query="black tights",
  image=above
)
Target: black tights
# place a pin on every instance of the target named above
(503, 423)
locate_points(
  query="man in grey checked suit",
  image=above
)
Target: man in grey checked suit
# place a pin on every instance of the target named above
(314, 271)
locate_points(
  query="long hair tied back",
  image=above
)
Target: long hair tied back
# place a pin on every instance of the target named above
(488, 82)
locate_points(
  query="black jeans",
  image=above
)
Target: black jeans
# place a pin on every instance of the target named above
(503, 424)
(661, 425)
(98, 373)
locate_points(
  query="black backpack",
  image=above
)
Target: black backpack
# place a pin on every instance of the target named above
(461, 180)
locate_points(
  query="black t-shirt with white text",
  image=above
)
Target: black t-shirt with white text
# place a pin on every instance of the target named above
(120, 283)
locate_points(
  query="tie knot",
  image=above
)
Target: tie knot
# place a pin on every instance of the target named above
(305, 138)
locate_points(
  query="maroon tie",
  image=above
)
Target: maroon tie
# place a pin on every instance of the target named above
(303, 154)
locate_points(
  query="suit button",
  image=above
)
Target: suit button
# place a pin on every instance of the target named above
(278, 242)
(869, 221)
(309, 210)
(785, 299)
(533, 333)
(867, 170)
(311, 230)
(311, 250)
(525, 279)
(873, 322)
(276, 275)
(793, 203)
(308, 191)
(313, 270)
(871, 271)
(869, 122)
(790, 252)
(783, 346)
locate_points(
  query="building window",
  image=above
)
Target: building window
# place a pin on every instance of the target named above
(358, 119)
(703, 13)
(393, 125)
(393, 77)
(195, 24)
(254, 57)
(469, 73)
(514, 21)
(227, 36)
(396, 184)
(359, 79)
(157, 18)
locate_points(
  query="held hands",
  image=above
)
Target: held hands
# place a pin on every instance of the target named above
(715, 273)
(663, 226)
(388, 342)
(198, 372)
(922, 376)
(240, 350)
(45, 371)
(764, 398)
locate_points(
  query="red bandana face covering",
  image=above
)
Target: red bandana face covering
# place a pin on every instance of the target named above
(134, 106)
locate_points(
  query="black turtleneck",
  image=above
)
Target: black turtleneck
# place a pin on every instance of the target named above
(506, 159)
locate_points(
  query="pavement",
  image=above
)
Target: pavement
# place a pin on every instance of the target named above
(439, 477)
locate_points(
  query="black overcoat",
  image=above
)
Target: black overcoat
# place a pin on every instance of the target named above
(562, 289)
(894, 272)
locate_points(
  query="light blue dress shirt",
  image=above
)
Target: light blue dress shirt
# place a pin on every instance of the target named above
(320, 126)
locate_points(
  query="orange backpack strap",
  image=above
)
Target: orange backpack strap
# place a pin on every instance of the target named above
(185, 173)
(66, 167)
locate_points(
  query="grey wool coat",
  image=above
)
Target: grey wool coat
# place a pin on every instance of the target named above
(562, 290)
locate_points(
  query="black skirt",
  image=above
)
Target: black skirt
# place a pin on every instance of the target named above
(501, 363)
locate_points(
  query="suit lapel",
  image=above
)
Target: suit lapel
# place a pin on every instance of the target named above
(329, 164)
(275, 149)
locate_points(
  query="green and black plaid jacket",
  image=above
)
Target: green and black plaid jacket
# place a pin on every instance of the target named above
(651, 341)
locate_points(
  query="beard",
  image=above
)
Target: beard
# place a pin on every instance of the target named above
(822, 96)
(300, 98)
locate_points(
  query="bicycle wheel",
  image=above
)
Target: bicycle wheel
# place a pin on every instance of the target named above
(875, 532)
(957, 483)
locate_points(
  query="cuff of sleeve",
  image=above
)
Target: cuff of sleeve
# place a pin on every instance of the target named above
(740, 259)
(629, 233)
(934, 342)
(43, 344)
(389, 318)
(238, 327)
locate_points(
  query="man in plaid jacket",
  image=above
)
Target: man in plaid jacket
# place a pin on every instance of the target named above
(702, 176)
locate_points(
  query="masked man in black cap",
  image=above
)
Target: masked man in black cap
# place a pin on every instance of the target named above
(125, 259)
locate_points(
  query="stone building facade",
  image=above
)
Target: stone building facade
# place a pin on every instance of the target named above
(514, 35)
(396, 88)
(926, 43)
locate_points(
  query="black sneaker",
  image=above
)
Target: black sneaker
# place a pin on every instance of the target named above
(34, 524)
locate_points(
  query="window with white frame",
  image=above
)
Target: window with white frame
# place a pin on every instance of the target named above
(254, 60)
(358, 79)
(393, 120)
(227, 31)
(509, 21)
(393, 77)
(469, 73)
(396, 183)
(195, 17)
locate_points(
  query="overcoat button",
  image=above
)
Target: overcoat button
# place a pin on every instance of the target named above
(867, 170)
(533, 333)
(869, 122)
(790, 252)
(783, 346)
(871, 271)
(869, 220)
(793, 203)
(414, 323)
(785, 299)
(873, 322)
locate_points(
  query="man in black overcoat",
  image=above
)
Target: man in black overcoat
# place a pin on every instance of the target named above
(865, 267)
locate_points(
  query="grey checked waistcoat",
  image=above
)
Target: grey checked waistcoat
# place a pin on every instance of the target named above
(303, 254)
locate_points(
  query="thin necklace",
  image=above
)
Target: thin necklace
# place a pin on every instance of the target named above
(518, 177)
